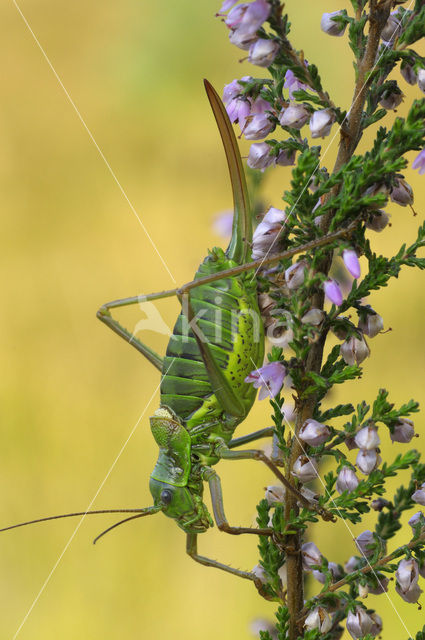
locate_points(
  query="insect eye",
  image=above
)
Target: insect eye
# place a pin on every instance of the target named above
(166, 496)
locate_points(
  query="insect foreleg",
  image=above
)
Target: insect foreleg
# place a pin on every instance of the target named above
(104, 314)
(268, 432)
(218, 508)
(192, 550)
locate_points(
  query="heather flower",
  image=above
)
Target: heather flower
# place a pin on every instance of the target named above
(321, 123)
(371, 324)
(351, 261)
(411, 595)
(377, 189)
(319, 619)
(262, 52)
(234, 89)
(364, 541)
(305, 469)
(378, 220)
(311, 555)
(408, 73)
(333, 292)
(260, 573)
(359, 623)
(257, 126)
(407, 574)
(227, 4)
(314, 433)
(421, 80)
(347, 480)
(314, 317)
(329, 26)
(295, 116)
(310, 495)
(419, 162)
(391, 97)
(269, 379)
(266, 233)
(244, 20)
(294, 275)
(367, 438)
(238, 110)
(293, 84)
(419, 495)
(377, 624)
(354, 350)
(402, 193)
(275, 494)
(259, 156)
(415, 519)
(286, 158)
(392, 28)
(283, 575)
(379, 503)
(334, 570)
(403, 431)
(368, 460)
(352, 564)
(381, 587)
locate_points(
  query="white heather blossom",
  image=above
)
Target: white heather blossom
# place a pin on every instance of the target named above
(319, 619)
(354, 350)
(367, 438)
(359, 623)
(305, 469)
(321, 123)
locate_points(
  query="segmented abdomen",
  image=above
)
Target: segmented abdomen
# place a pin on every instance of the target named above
(229, 318)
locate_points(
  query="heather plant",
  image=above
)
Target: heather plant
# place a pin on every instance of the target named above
(286, 112)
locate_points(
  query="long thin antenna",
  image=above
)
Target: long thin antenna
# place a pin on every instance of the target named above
(80, 513)
(117, 524)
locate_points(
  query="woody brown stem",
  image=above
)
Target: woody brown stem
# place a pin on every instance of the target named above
(350, 135)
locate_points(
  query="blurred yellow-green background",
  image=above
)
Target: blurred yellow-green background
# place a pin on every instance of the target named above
(71, 391)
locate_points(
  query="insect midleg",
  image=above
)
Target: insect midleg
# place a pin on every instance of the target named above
(218, 507)
(192, 551)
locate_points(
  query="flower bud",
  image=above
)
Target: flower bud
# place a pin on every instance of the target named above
(392, 28)
(314, 317)
(329, 26)
(305, 469)
(371, 324)
(364, 541)
(391, 97)
(295, 116)
(314, 433)
(351, 261)
(257, 126)
(333, 292)
(419, 495)
(363, 590)
(286, 158)
(377, 624)
(266, 233)
(407, 573)
(260, 624)
(368, 460)
(415, 519)
(319, 619)
(381, 587)
(408, 73)
(321, 123)
(377, 220)
(354, 351)
(311, 555)
(367, 438)
(402, 193)
(347, 480)
(403, 431)
(260, 573)
(259, 156)
(421, 80)
(352, 564)
(294, 275)
(379, 504)
(262, 52)
(359, 623)
(275, 494)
